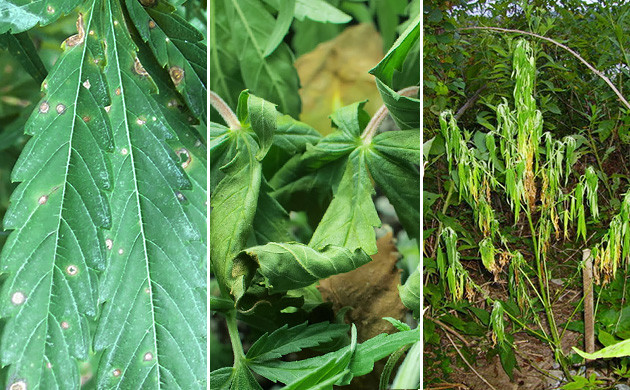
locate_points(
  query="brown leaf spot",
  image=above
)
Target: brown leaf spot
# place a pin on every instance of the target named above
(65, 325)
(177, 74)
(78, 38)
(60, 109)
(19, 385)
(152, 24)
(183, 153)
(44, 107)
(138, 68)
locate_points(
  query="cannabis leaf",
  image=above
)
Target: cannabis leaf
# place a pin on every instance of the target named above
(285, 340)
(20, 15)
(152, 326)
(57, 214)
(351, 217)
(287, 266)
(410, 292)
(361, 363)
(620, 349)
(176, 45)
(404, 110)
(271, 77)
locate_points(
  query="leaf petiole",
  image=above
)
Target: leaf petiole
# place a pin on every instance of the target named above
(225, 111)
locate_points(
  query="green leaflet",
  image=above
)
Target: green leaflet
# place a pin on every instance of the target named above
(621, 349)
(20, 15)
(176, 45)
(285, 340)
(262, 117)
(351, 217)
(351, 119)
(219, 141)
(233, 378)
(23, 49)
(410, 292)
(287, 266)
(57, 213)
(190, 150)
(282, 25)
(225, 73)
(272, 77)
(293, 136)
(404, 110)
(401, 145)
(397, 54)
(233, 209)
(387, 13)
(400, 181)
(152, 274)
(320, 11)
(222, 378)
(271, 219)
(362, 361)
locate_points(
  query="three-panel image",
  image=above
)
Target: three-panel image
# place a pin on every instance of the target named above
(314, 194)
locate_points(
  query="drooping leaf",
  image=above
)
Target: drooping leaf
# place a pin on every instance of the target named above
(233, 209)
(273, 77)
(17, 16)
(262, 118)
(362, 361)
(23, 49)
(621, 349)
(287, 340)
(271, 219)
(304, 264)
(400, 181)
(152, 275)
(410, 292)
(57, 214)
(351, 217)
(176, 45)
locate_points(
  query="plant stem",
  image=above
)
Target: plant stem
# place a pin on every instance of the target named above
(541, 270)
(237, 347)
(381, 113)
(225, 111)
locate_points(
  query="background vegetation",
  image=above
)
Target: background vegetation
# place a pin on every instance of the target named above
(503, 266)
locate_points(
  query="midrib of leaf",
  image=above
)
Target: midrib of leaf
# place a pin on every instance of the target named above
(259, 52)
(137, 193)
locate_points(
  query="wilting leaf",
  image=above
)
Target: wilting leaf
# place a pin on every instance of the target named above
(305, 265)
